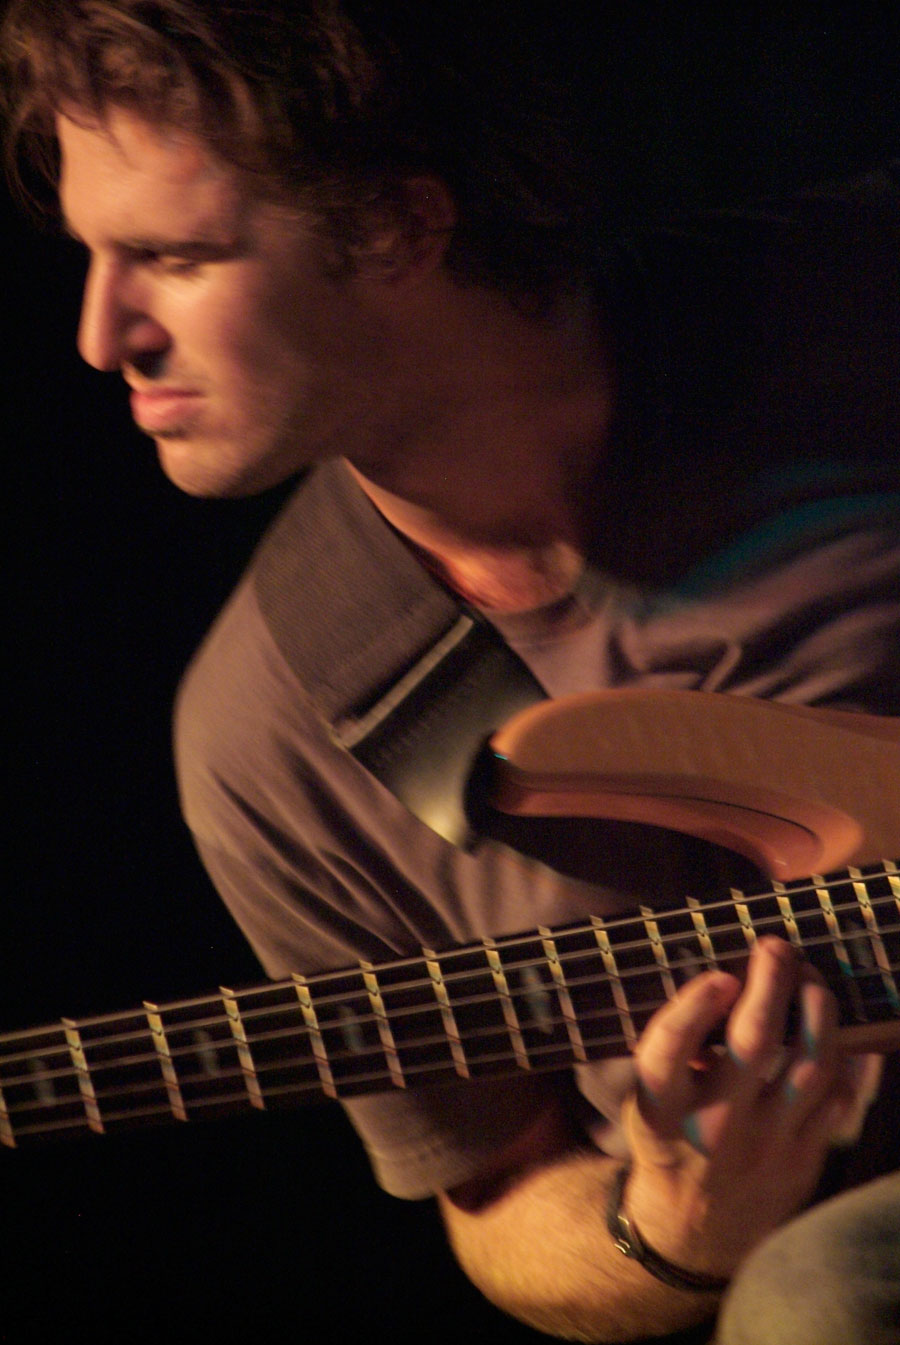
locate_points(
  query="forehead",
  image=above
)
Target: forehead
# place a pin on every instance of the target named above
(124, 177)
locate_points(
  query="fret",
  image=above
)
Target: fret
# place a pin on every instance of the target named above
(311, 1019)
(376, 999)
(658, 948)
(786, 911)
(893, 878)
(82, 1072)
(238, 1031)
(620, 998)
(701, 929)
(448, 1018)
(562, 990)
(833, 925)
(840, 948)
(742, 911)
(166, 1063)
(507, 1005)
(879, 952)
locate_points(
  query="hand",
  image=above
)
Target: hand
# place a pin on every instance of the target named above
(729, 1143)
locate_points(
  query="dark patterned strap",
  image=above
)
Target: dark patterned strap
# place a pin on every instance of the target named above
(409, 680)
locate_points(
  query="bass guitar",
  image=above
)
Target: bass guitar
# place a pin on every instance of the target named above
(811, 797)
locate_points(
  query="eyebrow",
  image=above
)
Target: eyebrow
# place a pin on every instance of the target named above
(192, 247)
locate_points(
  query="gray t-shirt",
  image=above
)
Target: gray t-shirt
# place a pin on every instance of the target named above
(321, 866)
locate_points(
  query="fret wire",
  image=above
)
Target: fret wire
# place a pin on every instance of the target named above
(788, 917)
(834, 929)
(660, 956)
(619, 996)
(83, 1077)
(244, 1054)
(701, 929)
(448, 1018)
(370, 980)
(748, 929)
(507, 1004)
(882, 961)
(320, 1055)
(562, 990)
(167, 1066)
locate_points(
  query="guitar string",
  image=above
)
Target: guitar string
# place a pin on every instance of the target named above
(621, 949)
(556, 1055)
(608, 1040)
(650, 968)
(614, 926)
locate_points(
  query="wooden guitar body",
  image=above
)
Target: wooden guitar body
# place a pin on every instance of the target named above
(795, 790)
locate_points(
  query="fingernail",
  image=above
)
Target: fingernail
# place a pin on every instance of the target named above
(808, 1037)
(734, 1057)
(690, 1128)
(645, 1093)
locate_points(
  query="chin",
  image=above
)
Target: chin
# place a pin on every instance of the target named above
(210, 471)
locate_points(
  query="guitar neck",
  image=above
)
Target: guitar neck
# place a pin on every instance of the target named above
(539, 1001)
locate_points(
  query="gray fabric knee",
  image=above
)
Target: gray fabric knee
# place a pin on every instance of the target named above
(830, 1277)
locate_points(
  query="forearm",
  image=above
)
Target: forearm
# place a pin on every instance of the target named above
(541, 1251)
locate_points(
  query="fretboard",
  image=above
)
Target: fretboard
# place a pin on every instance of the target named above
(538, 1001)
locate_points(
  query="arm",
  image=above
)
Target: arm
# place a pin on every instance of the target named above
(532, 1233)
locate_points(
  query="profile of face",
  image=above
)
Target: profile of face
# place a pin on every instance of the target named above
(246, 357)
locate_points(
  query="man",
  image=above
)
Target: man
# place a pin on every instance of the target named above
(322, 237)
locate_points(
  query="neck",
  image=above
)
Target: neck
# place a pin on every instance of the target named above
(497, 493)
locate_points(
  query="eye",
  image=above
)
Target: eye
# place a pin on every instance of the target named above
(166, 263)
(173, 264)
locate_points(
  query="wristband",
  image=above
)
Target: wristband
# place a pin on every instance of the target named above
(631, 1244)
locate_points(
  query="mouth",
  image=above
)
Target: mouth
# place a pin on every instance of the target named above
(162, 409)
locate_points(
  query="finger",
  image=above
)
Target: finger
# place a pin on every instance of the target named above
(818, 1015)
(758, 1023)
(855, 1089)
(673, 1038)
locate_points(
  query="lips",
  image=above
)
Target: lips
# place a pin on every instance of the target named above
(163, 408)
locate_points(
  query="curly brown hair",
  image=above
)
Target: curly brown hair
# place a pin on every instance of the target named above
(333, 105)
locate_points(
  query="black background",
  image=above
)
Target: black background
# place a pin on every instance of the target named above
(254, 1228)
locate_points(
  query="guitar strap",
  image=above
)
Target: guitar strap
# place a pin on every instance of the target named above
(409, 679)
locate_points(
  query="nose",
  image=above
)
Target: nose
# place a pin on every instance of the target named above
(115, 327)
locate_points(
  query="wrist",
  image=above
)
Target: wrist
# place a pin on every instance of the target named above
(629, 1240)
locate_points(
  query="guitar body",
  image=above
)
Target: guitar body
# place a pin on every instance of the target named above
(795, 790)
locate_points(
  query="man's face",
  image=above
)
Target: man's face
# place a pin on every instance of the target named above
(246, 360)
